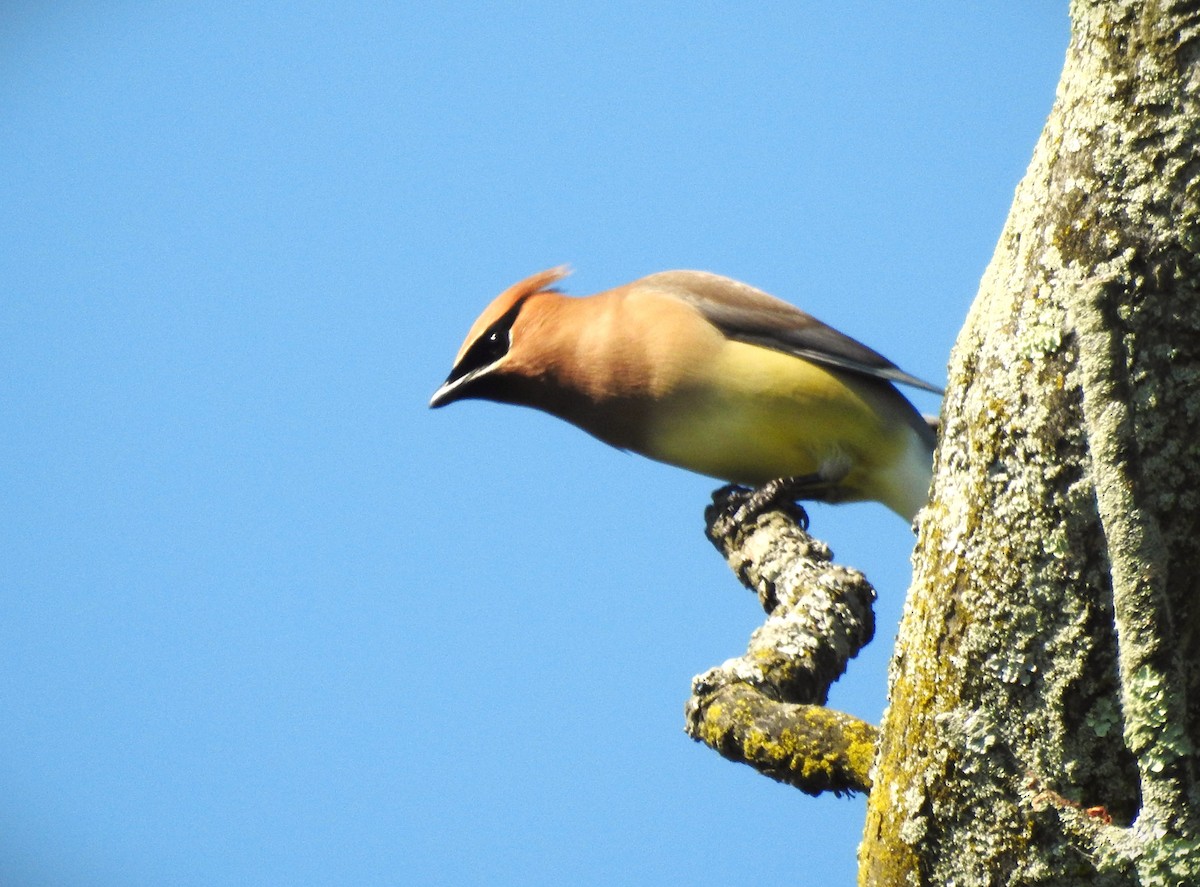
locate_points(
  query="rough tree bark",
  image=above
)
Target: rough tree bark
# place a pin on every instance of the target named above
(1047, 661)
(1044, 709)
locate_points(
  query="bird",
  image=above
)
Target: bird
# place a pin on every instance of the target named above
(709, 374)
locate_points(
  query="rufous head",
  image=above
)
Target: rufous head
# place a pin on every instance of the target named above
(487, 345)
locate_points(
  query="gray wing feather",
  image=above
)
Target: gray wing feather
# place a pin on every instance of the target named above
(749, 315)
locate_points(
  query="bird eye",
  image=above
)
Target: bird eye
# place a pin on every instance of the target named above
(491, 347)
(487, 349)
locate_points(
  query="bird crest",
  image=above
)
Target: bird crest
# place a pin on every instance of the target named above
(542, 282)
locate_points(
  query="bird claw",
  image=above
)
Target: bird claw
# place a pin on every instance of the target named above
(740, 506)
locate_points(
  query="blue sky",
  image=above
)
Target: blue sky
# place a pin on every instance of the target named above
(266, 619)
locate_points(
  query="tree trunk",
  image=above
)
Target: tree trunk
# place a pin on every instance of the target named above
(1046, 678)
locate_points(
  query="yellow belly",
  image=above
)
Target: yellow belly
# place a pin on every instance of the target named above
(754, 414)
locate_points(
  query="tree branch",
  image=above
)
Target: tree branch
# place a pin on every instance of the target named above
(764, 709)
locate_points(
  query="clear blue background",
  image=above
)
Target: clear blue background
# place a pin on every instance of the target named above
(266, 619)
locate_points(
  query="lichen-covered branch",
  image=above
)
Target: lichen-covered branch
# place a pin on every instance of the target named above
(764, 708)
(813, 748)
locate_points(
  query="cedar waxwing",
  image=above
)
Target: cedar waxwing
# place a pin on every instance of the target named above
(709, 374)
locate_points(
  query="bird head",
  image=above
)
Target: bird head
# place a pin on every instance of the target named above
(479, 367)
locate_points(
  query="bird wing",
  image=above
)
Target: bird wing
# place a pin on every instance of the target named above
(749, 315)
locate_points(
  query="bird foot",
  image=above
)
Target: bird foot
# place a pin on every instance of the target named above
(735, 505)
